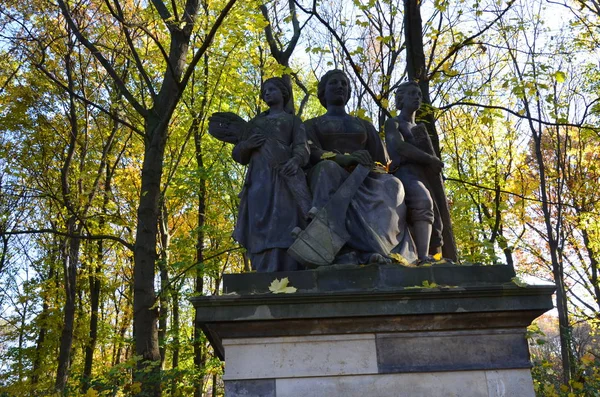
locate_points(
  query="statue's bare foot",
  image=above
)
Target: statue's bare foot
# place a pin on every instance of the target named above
(378, 258)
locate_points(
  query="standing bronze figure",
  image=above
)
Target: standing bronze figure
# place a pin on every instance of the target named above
(275, 197)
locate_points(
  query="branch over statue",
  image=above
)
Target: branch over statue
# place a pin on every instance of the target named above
(275, 198)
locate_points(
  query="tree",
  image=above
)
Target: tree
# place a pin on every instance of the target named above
(154, 105)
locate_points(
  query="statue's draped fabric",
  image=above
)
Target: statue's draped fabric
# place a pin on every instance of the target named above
(376, 218)
(270, 203)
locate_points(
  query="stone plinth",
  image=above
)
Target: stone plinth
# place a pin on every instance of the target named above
(372, 332)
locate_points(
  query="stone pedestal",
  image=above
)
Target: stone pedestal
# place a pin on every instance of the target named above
(375, 331)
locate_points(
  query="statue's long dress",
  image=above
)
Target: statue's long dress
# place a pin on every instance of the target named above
(271, 205)
(376, 217)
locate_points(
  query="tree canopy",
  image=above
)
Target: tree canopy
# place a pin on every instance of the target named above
(116, 206)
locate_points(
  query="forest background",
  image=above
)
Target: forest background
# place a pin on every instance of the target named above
(116, 206)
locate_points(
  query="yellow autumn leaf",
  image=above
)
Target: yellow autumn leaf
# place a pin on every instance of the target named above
(327, 155)
(427, 284)
(549, 391)
(587, 359)
(438, 256)
(281, 286)
(399, 258)
(518, 282)
(136, 387)
(577, 385)
(380, 168)
(91, 393)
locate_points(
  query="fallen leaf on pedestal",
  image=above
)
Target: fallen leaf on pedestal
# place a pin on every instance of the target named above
(399, 258)
(425, 285)
(518, 282)
(281, 286)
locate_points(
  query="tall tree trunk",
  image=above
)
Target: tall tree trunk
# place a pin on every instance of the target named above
(175, 332)
(417, 71)
(164, 282)
(145, 311)
(95, 287)
(156, 123)
(37, 360)
(42, 321)
(557, 267)
(72, 243)
(199, 353)
(70, 277)
(591, 251)
(126, 321)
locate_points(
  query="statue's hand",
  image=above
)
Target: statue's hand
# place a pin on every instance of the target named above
(363, 157)
(290, 167)
(255, 141)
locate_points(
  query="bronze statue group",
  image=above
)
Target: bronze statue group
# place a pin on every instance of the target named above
(327, 190)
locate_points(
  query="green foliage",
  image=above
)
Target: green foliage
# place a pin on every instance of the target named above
(481, 71)
(546, 371)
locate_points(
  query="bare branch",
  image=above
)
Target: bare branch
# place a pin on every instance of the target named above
(118, 15)
(70, 235)
(468, 41)
(103, 61)
(163, 11)
(207, 41)
(355, 67)
(521, 196)
(40, 67)
(517, 114)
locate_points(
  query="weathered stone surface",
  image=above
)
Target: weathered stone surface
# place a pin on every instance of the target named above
(370, 303)
(503, 383)
(388, 340)
(380, 277)
(452, 350)
(441, 384)
(468, 307)
(256, 358)
(510, 382)
(250, 388)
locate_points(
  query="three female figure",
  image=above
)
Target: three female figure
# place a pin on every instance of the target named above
(275, 198)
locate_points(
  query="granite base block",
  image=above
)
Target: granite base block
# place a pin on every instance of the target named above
(250, 388)
(503, 383)
(287, 357)
(452, 350)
